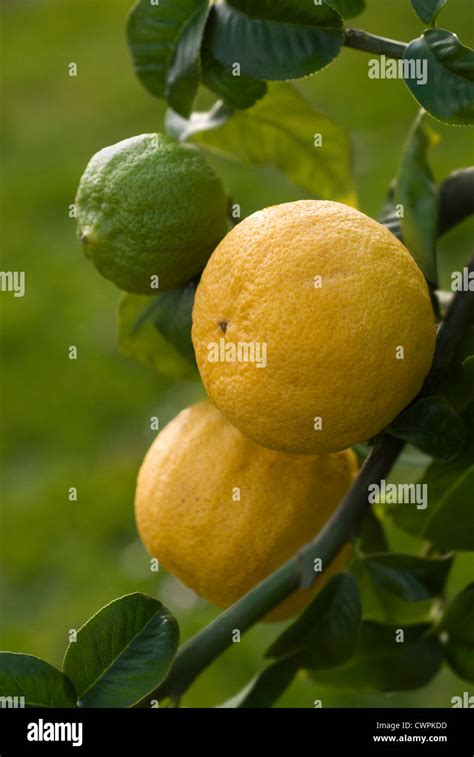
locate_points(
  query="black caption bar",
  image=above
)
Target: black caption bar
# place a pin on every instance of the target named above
(347, 731)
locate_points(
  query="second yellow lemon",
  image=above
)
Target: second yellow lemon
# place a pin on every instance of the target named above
(312, 327)
(221, 513)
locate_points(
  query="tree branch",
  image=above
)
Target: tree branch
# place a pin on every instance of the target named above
(371, 43)
(198, 653)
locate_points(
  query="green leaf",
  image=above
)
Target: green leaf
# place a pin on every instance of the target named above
(123, 652)
(433, 426)
(348, 8)
(41, 685)
(236, 91)
(184, 68)
(458, 617)
(448, 93)
(458, 622)
(171, 313)
(386, 607)
(459, 384)
(417, 193)
(139, 338)
(164, 41)
(447, 522)
(267, 687)
(427, 10)
(260, 135)
(460, 658)
(285, 40)
(412, 578)
(380, 663)
(326, 632)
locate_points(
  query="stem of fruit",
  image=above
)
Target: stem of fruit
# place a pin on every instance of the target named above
(198, 653)
(371, 43)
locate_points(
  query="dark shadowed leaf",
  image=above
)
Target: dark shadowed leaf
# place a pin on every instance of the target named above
(164, 41)
(267, 687)
(432, 425)
(416, 192)
(448, 93)
(381, 663)
(459, 384)
(347, 8)
(458, 622)
(172, 316)
(326, 632)
(122, 652)
(259, 135)
(38, 682)
(236, 91)
(184, 67)
(285, 40)
(412, 578)
(447, 521)
(456, 195)
(139, 338)
(371, 535)
(427, 10)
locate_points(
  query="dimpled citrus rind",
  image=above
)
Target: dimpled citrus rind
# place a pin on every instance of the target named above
(150, 206)
(221, 513)
(345, 316)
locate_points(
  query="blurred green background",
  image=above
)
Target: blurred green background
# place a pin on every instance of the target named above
(85, 423)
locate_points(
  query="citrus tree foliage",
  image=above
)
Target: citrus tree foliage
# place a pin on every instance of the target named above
(385, 624)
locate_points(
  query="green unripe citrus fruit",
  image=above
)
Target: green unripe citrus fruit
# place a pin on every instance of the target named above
(149, 207)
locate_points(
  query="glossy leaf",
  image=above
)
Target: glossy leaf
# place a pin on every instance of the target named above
(411, 578)
(184, 68)
(236, 91)
(447, 521)
(34, 681)
(260, 135)
(448, 93)
(139, 338)
(381, 663)
(458, 622)
(164, 41)
(427, 10)
(326, 632)
(123, 652)
(433, 426)
(348, 8)
(417, 193)
(285, 40)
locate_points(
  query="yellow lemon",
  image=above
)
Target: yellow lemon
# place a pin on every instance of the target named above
(312, 327)
(221, 513)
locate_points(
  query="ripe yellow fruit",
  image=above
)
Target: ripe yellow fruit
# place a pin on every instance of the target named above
(312, 327)
(221, 513)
